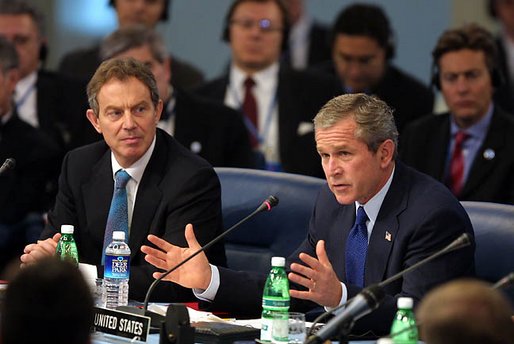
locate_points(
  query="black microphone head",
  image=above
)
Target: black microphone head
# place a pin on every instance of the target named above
(374, 295)
(272, 201)
(9, 163)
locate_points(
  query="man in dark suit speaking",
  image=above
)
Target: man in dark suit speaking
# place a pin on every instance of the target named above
(168, 186)
(404, 215)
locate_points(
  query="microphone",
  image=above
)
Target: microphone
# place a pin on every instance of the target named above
(370, 298)
(8, 164)
(266, 205)
(363, 303)
(505, 282)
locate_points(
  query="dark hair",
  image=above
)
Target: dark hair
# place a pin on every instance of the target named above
(131, 37)
(8, 55)
(120, 69)
(50, 294)
(22, 7)
(283, 10)
(164, 15)
(365, 20)
(470, 36)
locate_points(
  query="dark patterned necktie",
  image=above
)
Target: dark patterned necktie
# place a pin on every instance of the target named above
(456, 175)
(356, 248)
(250, 110)
(118, 213)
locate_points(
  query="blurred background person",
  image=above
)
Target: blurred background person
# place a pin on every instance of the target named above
(363, 45)
(277, 103)
(48, 302)
(42, 98)
(471, 147)
(465, 311)
(308, 41)
(82, 63)
(27, 190)
(209, 129)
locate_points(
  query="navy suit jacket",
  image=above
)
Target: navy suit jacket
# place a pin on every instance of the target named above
(300, 96)
(424, 146)
(215, 130)
(421, 216)
(177, 188)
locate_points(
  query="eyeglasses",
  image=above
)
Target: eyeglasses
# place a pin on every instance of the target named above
(265, 25)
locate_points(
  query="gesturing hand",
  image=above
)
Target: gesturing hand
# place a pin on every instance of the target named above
(196, 273)
(318, 276)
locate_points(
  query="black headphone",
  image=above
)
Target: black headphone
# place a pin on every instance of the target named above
(225, 35)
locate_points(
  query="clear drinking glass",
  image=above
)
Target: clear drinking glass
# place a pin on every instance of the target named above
(296, 332)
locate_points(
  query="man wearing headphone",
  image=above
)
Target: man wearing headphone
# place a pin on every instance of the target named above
(277, 103)
(470, 148)
(362, 48)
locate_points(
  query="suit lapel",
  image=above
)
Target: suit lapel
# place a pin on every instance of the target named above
(148, 196)
(386, 228)
(481, 167)
(436, 159)
(98, 192)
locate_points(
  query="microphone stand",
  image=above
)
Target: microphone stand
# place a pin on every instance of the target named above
(374, 294)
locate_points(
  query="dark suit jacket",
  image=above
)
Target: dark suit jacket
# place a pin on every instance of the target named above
(300, 96)
(82, 64)
(425, 145)
(177, 188)
(504, 94)
(408, 97)
(60, 101)
(30, 186)
(216, 129)
(422, 217)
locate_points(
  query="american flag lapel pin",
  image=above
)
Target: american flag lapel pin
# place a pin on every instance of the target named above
(388, 236)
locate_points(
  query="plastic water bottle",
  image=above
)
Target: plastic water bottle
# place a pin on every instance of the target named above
(275, 303)
(66, 247)
(117, 271)
(404, 329)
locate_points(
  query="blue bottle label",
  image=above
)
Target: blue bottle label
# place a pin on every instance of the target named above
(117, 267)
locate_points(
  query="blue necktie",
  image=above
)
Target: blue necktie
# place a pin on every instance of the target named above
(356, 248)
(118, 213)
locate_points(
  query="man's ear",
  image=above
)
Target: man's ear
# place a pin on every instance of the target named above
(386, 152)
(94, 120)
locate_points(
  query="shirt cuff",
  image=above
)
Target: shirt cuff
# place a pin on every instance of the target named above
(210, 293)
(344, 299)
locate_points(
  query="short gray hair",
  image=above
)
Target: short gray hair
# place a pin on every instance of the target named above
(374, 118)
(132, 37)
(21, 7)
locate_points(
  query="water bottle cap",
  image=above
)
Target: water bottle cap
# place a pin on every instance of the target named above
(278, 261)
(118, 235)
(405, 302)
(67, 229)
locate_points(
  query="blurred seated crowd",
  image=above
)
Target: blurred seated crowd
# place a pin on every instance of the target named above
(284, 66)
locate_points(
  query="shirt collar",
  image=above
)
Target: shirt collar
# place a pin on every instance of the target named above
(477, 130)
(24, 84)
(372, 207)
(137, 169)
(262, 78)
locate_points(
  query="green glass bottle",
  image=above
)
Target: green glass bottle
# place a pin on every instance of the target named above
(404, 329)
(66, 247)
(275, 303)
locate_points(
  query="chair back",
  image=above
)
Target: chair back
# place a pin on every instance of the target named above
(277, 233)
(493, 224)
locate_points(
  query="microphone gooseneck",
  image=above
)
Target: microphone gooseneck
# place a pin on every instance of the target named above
(461, 241)
(268, 203)
(8, 164)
